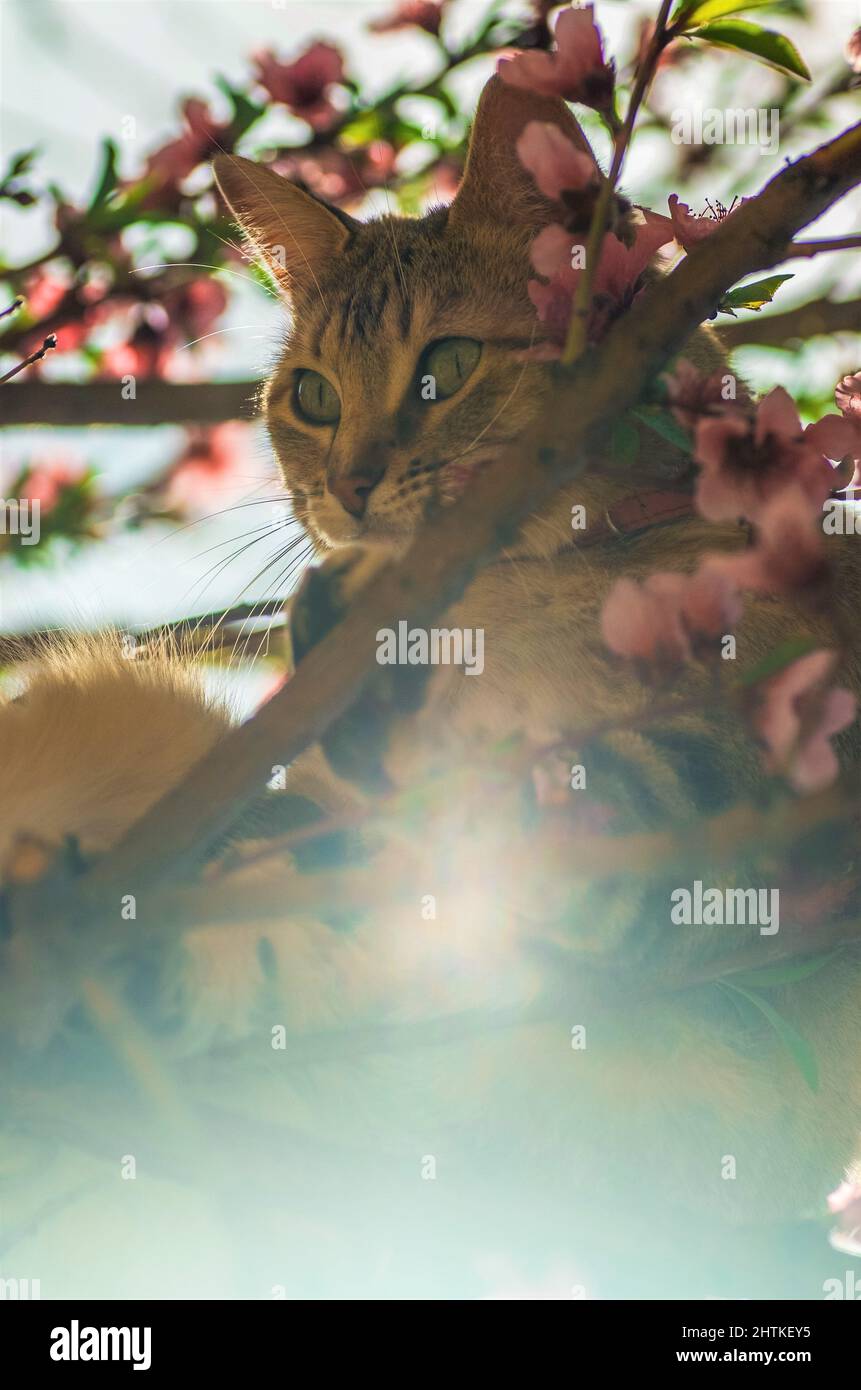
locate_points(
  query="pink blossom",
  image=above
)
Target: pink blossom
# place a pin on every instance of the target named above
(745, 459)
(556, 165)
(47, 479)
(668, 616)
(621, 266)
(690, 228)
(424, 14)
(617, 279)
(798, 718)
(196, 307)
(147, 353)
(853, 50)
(168, 166)
(72, 336)
(789, 552)
(636, 623)
(845, 1202)
(303, 85)
(847, 393)
(44, 291)
(213, 470)
(848, 397)
(575, 70)
(338, 177)
(692, 395)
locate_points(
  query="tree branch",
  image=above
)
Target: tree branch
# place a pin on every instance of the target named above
(801, 250)
(819, 317)
(210, 632)
(168, 841)
(155, 403)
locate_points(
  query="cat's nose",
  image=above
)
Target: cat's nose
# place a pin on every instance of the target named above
(353, 490)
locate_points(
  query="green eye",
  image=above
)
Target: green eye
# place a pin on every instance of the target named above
(450, 362)
(316, 399)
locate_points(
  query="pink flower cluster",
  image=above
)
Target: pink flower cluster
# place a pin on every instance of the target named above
(215, 467)
(419, 14)
(571, 178)
(575, 69)
(157, 329)
(166, 168)
(340, 177)
(305, 84)
(669, 617)
(761, 465)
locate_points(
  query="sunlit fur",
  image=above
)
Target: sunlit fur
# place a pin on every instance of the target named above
(638, 1124)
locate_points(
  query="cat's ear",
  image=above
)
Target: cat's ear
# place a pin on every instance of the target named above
(495, 184)
(292, 231)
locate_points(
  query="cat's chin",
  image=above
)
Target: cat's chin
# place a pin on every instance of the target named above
(393, 543)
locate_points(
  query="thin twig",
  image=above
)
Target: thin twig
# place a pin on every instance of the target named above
(48, 346)
(579, 325)
(821, 317)
(802, 249)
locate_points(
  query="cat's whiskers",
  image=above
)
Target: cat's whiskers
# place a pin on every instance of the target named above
(279, 555)
(225, 511)
(300, 558)
(215, 570)
(266, 529)
(238, 328)
(202, 265)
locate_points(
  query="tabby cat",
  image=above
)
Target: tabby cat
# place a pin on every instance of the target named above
(632, 1131)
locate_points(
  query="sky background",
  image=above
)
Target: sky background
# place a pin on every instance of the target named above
(72, 70)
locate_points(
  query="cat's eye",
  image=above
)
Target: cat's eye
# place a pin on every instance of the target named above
(451, 362)
(316, 398)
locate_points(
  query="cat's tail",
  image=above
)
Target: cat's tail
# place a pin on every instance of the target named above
(97, 731)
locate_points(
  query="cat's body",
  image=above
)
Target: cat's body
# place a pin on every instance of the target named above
(663, 1091)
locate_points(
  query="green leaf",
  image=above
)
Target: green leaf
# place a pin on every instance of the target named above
(704, 11)
(362, 130)
(769, 47)
(244, 111)
(664, 423)
(798, 1047)
(782, 656)
(20, 164)
(752, 296)
(107, 178)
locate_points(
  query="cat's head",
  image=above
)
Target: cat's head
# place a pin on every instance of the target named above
(402, 373)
